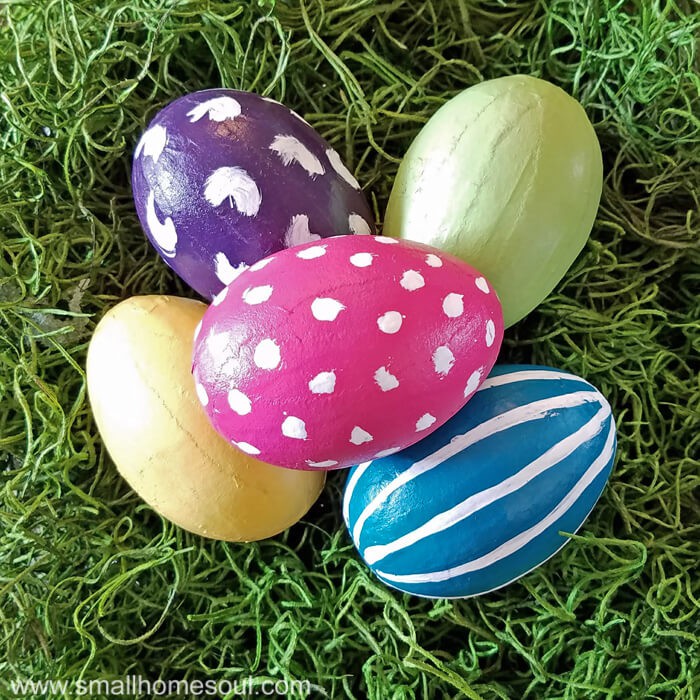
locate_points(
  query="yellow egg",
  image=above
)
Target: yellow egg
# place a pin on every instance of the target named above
(144, 401)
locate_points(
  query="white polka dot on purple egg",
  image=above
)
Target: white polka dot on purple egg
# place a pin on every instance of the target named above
(298, 116)
(358, 225)
(340, 168)
(291, 150)
(233, 186)
(298, 232)
(225, 271)
(220, 297)
(433, 260)
(164, 232)
(218, 109)
(152, 143)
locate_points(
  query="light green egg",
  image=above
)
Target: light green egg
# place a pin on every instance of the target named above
(507, 175)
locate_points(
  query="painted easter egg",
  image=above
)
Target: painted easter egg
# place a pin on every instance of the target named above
(144, 402)
(335, 352)
(482, 501)
(507, 175)
(222, 178)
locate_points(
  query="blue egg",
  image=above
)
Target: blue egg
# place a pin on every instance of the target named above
(483, 500)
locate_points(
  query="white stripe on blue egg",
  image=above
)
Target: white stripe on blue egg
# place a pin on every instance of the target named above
(482, 500)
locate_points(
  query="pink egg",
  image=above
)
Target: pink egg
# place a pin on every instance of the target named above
(340, 351)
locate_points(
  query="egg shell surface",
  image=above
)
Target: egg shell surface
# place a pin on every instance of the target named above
(482, 500)
(335, 352)
(222, 178)
(507, 175)
(145, 405)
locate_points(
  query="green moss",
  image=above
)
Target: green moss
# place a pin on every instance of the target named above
(93, 583)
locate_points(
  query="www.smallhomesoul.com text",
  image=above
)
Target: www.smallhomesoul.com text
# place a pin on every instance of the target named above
(145, 687)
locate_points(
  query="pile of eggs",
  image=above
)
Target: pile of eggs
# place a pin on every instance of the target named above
(325, 346)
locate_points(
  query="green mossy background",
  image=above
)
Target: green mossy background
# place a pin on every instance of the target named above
(94, 584)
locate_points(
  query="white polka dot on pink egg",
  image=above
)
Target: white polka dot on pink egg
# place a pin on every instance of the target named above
(390, 322)
(257, 295)
(337, 353)
(412, 280)
(453, 305)
(482, 284)
(326, 309)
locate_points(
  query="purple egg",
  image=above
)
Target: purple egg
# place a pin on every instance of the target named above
(222, 178)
